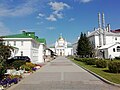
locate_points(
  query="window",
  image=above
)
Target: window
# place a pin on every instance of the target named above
(115, 38)
(21, 43)
(21, 53)
(118, 48)
(113, 49)
(14, 43)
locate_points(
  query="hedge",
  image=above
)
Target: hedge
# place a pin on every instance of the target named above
(16, 64)
(101, 63)
(114, 66)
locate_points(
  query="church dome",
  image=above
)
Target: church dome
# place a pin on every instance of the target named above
(61, 38)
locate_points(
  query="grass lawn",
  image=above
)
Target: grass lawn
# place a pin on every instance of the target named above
(103, 72)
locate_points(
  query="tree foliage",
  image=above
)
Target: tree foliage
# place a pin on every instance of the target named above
(5, 51)
(84, 47)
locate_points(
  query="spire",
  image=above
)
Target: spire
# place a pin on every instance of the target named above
(60, 35)
(99, 20)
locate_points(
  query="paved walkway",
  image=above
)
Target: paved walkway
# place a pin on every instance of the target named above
(62, 74)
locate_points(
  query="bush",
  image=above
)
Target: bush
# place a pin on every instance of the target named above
(2, 70)
(25, 67)
(101, 63)
(17, 64)
(90, 61)
(30, 65)
(114, 66)
(76, 58)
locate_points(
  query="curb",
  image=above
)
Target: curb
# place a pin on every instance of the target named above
(101, 78)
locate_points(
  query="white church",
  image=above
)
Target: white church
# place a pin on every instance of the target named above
(62, 47)
(106, 41)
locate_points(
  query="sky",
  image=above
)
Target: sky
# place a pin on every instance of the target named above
(50, 18)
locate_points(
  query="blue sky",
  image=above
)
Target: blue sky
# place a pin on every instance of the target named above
(49, 18)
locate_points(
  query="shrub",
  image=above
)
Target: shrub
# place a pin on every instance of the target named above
(114, 66)
(2, 69)
(30, 65)
(90, 61)
(101, 63)
(76, 58)
(25, 67)
(17, 64)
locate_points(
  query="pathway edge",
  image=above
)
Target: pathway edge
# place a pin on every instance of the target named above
(98, 76)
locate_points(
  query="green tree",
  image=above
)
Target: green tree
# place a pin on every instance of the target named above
(84, 47)
(5, 52)
(80, 46)
(88, 47)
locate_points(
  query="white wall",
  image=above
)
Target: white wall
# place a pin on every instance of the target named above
(48, 52)
(41, 54)
(114, 54)
(29, 47)
(109, 39)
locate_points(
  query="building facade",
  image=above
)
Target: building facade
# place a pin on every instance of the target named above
(105, 41)
(62, 47)
(28, 45)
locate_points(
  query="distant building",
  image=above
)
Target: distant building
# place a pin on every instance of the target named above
(28, 45)
(62, 47)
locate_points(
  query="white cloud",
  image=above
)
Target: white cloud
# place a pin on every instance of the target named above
(71, 19)
(58, 14)
(58, 6)
(4, 30)
(51, 18)
(41, 15)
(25, 8)
(51, 28)
(38, 23)
(83, 1)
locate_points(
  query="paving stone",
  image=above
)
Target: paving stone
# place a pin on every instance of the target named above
(62, 74)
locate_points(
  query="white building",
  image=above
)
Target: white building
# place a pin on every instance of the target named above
(28, 45)
(62, 47)
(106, 43)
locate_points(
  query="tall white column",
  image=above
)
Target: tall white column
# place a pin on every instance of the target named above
(104, 30)
(99, 27)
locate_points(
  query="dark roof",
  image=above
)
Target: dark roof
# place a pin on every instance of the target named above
(115, 31)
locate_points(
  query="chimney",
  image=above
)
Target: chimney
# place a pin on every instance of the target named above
(99, 20)
(103, 21)
(108, 27)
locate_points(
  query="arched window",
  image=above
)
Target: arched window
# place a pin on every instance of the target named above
(118, 48)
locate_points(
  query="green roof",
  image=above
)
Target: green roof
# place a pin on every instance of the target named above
(52, 46)
(16, 36)
(26, 35)
(41, 40)
(69, 46)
